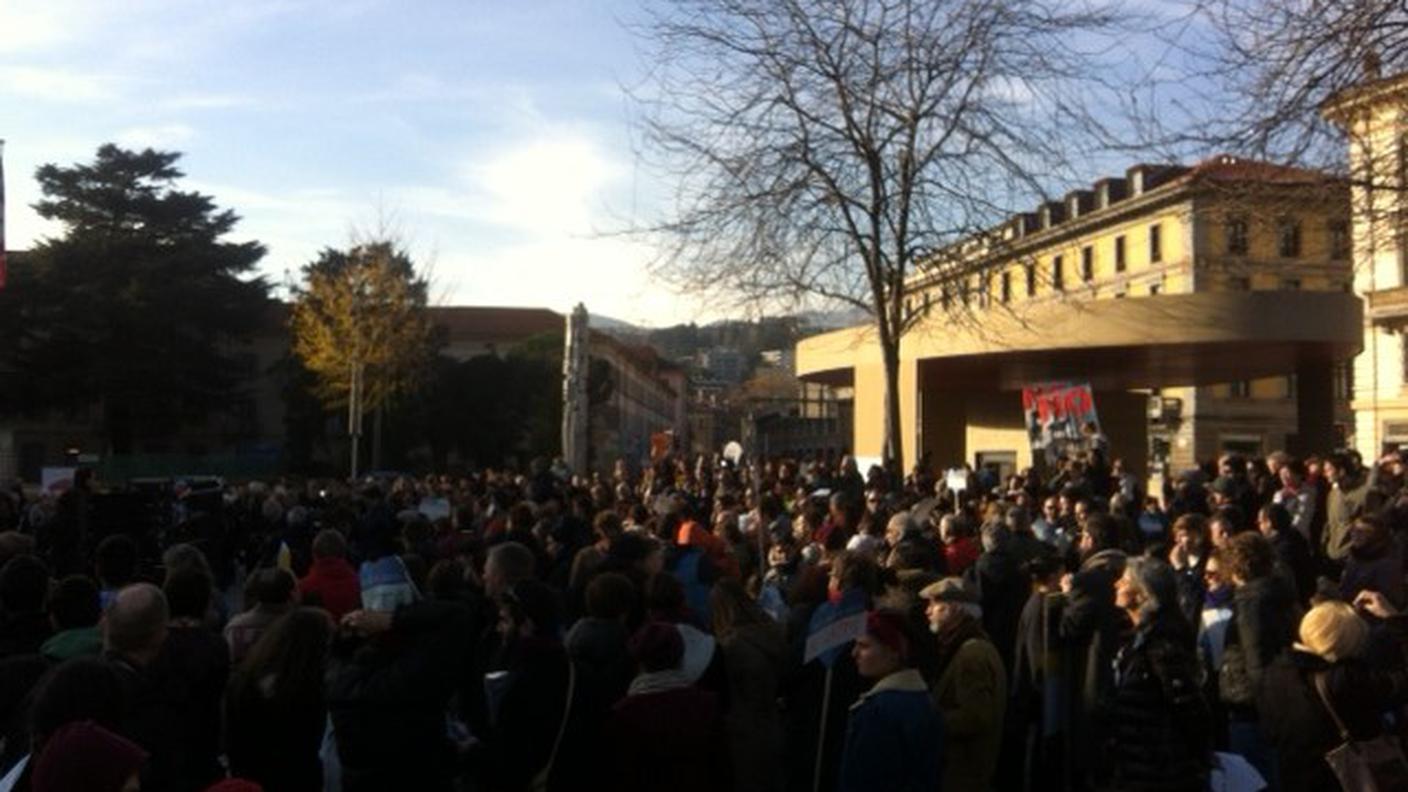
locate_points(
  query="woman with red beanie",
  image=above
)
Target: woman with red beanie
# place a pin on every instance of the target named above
(894, 738)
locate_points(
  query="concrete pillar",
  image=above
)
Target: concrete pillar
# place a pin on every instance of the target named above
(1315, 409)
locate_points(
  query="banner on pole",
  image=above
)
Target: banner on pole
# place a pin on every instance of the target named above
(4, 265)
(1060, 418)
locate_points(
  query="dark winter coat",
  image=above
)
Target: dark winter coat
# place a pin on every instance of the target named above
(196, 661)
(1003, 590)
(528, 718)
(894, 739)
(1300, 728)
(275, 742)
(387, 701)
(1264, 623)
(1092, 631)
(1293, 559)
(1160, 741)
(1379, 568)
(671, 740)
(754, 658)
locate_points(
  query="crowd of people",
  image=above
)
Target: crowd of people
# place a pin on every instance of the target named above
(785, 625)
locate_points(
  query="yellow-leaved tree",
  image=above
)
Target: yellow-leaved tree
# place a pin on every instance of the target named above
(360, 316)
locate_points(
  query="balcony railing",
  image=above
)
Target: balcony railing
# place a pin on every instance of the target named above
(1388, 307)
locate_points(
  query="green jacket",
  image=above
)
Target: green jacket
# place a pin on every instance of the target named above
(78, 642)
(971, 695)
(1343, 504)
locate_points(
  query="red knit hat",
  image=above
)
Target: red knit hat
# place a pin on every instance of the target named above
(888, 628)
(84, 755)
(234, 785)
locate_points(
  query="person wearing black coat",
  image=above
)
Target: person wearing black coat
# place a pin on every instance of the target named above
(1292, 551)
(387, 697)
(1263, 625)
(275, 714)
(1091, 630)
(528, 697)
(1160, 735)
(1002, 588)
(1333, 648)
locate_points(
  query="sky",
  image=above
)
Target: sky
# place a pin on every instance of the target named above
(491, 136)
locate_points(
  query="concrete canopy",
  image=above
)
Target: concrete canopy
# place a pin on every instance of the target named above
(1117, 344)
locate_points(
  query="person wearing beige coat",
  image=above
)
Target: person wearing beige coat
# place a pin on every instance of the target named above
(971, 692)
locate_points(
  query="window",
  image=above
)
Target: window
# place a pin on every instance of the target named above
(1006, 287)
(984, 290)
(1236, 236)
(1156, 247)
(1291, 386)
(1058, 275)
(1119, 254)
(1288, 238)
(1339, 240)
(1087, 263)
(1241, 389)
(1031, 280)
(966, 292)
(1155, 288)
(945, 297)
(928, 299)
(1291, 284)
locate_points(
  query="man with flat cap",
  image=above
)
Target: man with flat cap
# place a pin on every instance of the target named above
(972, 688)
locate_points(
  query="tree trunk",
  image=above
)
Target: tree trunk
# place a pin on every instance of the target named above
(376, 437)
(119, 427)
(894, 427)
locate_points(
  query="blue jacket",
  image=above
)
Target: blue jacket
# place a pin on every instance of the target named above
(894, 738)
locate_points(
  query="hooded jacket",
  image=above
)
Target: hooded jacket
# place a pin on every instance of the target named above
(894, 739)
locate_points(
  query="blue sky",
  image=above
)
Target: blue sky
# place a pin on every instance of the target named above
(492, 135)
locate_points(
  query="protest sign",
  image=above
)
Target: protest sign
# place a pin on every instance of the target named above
(1060, 417)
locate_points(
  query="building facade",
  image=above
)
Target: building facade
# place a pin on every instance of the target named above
(1208, 307)
(1374, 116)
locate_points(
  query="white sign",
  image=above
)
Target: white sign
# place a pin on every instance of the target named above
(833, 635)
(956, 479)
(435, 508)
(56, 480)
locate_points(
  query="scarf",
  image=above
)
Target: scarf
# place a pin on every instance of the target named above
(1218, 598)
(658, 682)
(953, 634)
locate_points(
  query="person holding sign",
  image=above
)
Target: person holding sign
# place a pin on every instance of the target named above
(894, 737)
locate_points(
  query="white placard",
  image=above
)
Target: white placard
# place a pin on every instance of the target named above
(845, 629)
(56, 480)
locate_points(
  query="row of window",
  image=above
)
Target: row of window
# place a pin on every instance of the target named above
(1340, 382)
(1288, 237)
(1058, 274)
(1237, 239)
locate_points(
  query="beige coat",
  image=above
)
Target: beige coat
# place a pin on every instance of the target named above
(971, 696)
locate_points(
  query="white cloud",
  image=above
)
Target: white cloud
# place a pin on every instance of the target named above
(207, 101)
(607, 275)
(37, 26)
(58, 85)
(548, 186)
(163, 136)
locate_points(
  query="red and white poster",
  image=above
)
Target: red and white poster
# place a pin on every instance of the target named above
(1060, 418)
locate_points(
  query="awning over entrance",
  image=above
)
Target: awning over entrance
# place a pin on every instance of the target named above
(1115, 344)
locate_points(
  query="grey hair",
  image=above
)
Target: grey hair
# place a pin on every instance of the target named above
(1156, 581)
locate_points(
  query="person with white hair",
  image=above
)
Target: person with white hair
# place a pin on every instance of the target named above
(971, 692)
(1161, 724)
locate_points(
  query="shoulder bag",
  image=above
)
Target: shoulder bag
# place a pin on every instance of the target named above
(1375, 765)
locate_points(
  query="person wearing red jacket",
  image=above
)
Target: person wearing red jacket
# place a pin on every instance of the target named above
(331, 582)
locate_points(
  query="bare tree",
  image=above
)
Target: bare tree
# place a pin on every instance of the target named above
(826, 152)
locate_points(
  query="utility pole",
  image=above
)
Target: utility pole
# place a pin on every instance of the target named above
(354, 412)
